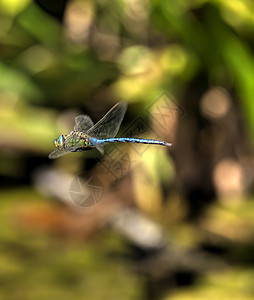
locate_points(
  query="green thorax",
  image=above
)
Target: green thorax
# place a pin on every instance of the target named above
(76, 140)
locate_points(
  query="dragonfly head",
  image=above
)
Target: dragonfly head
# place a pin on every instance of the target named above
(59, 142)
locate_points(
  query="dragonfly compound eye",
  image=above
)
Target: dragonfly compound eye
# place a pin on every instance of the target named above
(59, 142)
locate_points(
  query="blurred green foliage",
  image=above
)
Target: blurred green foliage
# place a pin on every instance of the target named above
(38, 266)
(161, 46)
(95, 54)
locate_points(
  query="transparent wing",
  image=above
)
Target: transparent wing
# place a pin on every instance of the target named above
(109, 125)
(57, 153)
(83, 123)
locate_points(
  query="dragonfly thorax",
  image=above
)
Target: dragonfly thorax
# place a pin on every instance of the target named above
(73, 141)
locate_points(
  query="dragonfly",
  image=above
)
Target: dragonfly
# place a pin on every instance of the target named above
(87, 135)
